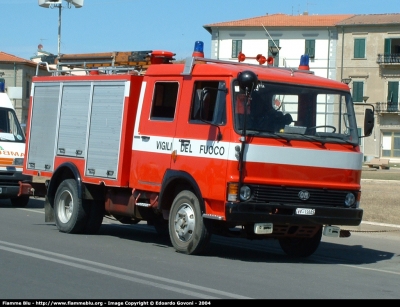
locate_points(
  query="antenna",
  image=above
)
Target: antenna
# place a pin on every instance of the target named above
(270, 37)
(274, 50)
(309, 3)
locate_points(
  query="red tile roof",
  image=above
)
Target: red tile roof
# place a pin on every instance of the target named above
(9, 58)
(283, 20)
(372, 19)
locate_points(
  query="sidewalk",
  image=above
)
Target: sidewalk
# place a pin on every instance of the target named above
(380, 196)
(366, 226)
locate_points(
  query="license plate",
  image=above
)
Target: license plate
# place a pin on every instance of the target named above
(305, 211)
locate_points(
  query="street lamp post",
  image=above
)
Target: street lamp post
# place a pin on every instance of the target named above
(58, 4)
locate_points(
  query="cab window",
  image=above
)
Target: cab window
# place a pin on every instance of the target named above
(164, 100)
(212, 94)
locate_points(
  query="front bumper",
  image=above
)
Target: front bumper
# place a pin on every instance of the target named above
(245, 213)
(9, 183)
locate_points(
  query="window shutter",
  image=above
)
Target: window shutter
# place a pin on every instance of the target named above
(358, 91)
(310, 48)
(387, 46)
(359, 48)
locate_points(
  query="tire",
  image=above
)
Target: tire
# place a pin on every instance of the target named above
(20, 202)
(69, 211)
(96, 214)
(301, 247)
(187, 230)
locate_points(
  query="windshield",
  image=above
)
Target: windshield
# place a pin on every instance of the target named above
(10, 129)
(295, 112)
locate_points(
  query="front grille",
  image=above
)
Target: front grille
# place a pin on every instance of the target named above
(8, 183)
(290, 195)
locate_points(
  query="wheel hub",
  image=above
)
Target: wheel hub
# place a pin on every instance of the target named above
(184, 222)
(66, 207)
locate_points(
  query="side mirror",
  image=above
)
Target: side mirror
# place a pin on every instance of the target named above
(247, 81)
(368, 122)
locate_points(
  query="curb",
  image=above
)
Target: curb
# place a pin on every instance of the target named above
(381, 224)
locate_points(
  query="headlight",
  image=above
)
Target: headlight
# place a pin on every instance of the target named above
(232, 191)
(350, 199)
(245, 193)
(18, 161)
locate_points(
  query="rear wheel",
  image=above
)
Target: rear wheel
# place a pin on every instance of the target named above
(21, 201)
(301, 247)
(187, 230)
(69, 211)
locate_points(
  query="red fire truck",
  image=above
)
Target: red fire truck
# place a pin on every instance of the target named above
(196, 148)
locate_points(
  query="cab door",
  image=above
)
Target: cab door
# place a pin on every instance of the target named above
(202, 136)
(154, 132)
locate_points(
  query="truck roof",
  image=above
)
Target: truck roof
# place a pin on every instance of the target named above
(160, 63)
(5, 101)
(264, 72)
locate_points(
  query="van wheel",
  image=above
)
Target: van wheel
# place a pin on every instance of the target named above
(20, 202)
(69, 212)
(301, 247)
(187, 230)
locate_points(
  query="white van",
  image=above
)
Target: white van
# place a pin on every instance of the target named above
(12, 151)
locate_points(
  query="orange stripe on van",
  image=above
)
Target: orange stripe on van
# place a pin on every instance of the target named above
(6, 161)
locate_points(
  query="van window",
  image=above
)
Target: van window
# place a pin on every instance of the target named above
(10, 129)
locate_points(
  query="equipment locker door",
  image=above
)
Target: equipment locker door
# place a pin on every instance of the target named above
(45, 109)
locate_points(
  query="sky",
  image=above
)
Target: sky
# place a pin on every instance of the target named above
(138, 25)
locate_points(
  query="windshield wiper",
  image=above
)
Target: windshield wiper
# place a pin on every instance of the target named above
(339, 138)
(267, 133)
(309, 137)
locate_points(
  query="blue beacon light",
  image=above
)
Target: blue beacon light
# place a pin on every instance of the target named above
(198, 49)
(304, 62)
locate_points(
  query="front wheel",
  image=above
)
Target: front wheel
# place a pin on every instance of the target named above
(69, 212)
(187, 230)
(301, 247)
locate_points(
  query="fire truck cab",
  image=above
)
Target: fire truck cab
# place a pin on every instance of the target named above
(196, 148)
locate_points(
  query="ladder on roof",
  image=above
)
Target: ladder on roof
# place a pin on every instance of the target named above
(136, 59)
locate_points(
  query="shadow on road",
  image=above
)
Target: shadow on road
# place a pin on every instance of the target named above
(267, 251)
(35, 203)
(253, 250)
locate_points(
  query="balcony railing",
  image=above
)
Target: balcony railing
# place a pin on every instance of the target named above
(387, 107)
(388, 58)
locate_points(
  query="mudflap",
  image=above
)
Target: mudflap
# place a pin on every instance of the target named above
(48, 211)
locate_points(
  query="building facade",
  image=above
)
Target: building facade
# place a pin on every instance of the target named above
(17, 74)
(369, 56)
